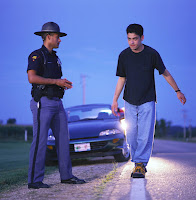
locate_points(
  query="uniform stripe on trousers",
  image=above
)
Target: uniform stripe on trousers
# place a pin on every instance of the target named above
(37, 142)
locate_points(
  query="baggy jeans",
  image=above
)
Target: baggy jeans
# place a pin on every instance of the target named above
(50, 114)
(140, 130)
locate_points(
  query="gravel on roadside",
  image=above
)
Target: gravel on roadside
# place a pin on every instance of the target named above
(97, 173)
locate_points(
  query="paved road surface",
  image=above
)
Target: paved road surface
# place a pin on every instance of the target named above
(171, 175)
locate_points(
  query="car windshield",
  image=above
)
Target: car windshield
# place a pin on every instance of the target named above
(89, 113)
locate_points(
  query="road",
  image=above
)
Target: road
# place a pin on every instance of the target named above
(171, 175)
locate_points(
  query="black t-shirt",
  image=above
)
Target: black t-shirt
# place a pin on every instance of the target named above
(138, 68)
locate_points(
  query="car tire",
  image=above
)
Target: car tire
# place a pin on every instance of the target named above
(124, 155)
(51, 163)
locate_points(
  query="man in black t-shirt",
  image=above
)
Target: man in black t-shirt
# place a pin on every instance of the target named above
(135, 69)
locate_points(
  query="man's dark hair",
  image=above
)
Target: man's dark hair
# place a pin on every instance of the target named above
(45, 34)
(135, 28)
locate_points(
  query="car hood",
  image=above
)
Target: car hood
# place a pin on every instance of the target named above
(91, 128)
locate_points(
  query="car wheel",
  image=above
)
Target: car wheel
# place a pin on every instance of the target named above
(124, 155)
(51, 163)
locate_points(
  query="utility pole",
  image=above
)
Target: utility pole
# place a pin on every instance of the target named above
(190, 130)
(184, 117)
(83, 77)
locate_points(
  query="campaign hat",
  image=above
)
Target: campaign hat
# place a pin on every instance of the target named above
(50, 27)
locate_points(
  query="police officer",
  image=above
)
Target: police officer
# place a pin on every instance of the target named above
(44, 73)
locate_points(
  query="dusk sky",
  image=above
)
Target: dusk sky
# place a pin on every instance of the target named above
(96, 36)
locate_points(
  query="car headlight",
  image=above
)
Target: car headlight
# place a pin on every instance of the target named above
(109, 132)
(123, 124)
(51, 138)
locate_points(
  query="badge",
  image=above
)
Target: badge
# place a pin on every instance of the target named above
(59, 62)
(34, 58)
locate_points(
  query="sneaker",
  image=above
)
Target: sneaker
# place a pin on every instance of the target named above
(139, 171)
(37, 185)
(144, 169)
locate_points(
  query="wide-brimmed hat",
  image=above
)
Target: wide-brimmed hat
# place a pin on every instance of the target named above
(50, 27)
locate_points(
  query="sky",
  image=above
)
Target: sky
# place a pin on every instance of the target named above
(96, 34)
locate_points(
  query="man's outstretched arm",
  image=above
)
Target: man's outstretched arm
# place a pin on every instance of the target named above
(168, 77)
(119, 87)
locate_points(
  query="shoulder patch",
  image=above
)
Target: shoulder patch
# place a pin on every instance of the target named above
(34, 58)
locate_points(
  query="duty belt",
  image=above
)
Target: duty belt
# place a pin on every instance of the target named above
(39, 91)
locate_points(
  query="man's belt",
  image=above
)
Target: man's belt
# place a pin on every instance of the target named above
(39, 91)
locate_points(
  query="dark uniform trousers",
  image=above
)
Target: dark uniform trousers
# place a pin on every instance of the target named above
(50, 114)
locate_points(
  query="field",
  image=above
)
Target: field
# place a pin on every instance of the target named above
(14, 158)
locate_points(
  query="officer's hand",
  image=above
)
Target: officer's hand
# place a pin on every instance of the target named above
(64, 83)
(181, 97)
(68, 84)
(114, 108)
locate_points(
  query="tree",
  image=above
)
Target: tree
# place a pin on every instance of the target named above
(162, 128)
(11, 121)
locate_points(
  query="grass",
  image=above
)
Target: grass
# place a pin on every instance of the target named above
(105, 180)
(14, 158)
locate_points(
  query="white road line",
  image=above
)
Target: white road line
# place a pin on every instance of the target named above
(127, 188)
(138, 189)
(124, 171)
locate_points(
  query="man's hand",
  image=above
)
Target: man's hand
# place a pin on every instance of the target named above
(34, 78)
(114, 108)
(119, 87)
(181, 97)
(64, 83)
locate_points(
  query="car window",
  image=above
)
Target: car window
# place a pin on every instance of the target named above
(89, 113)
